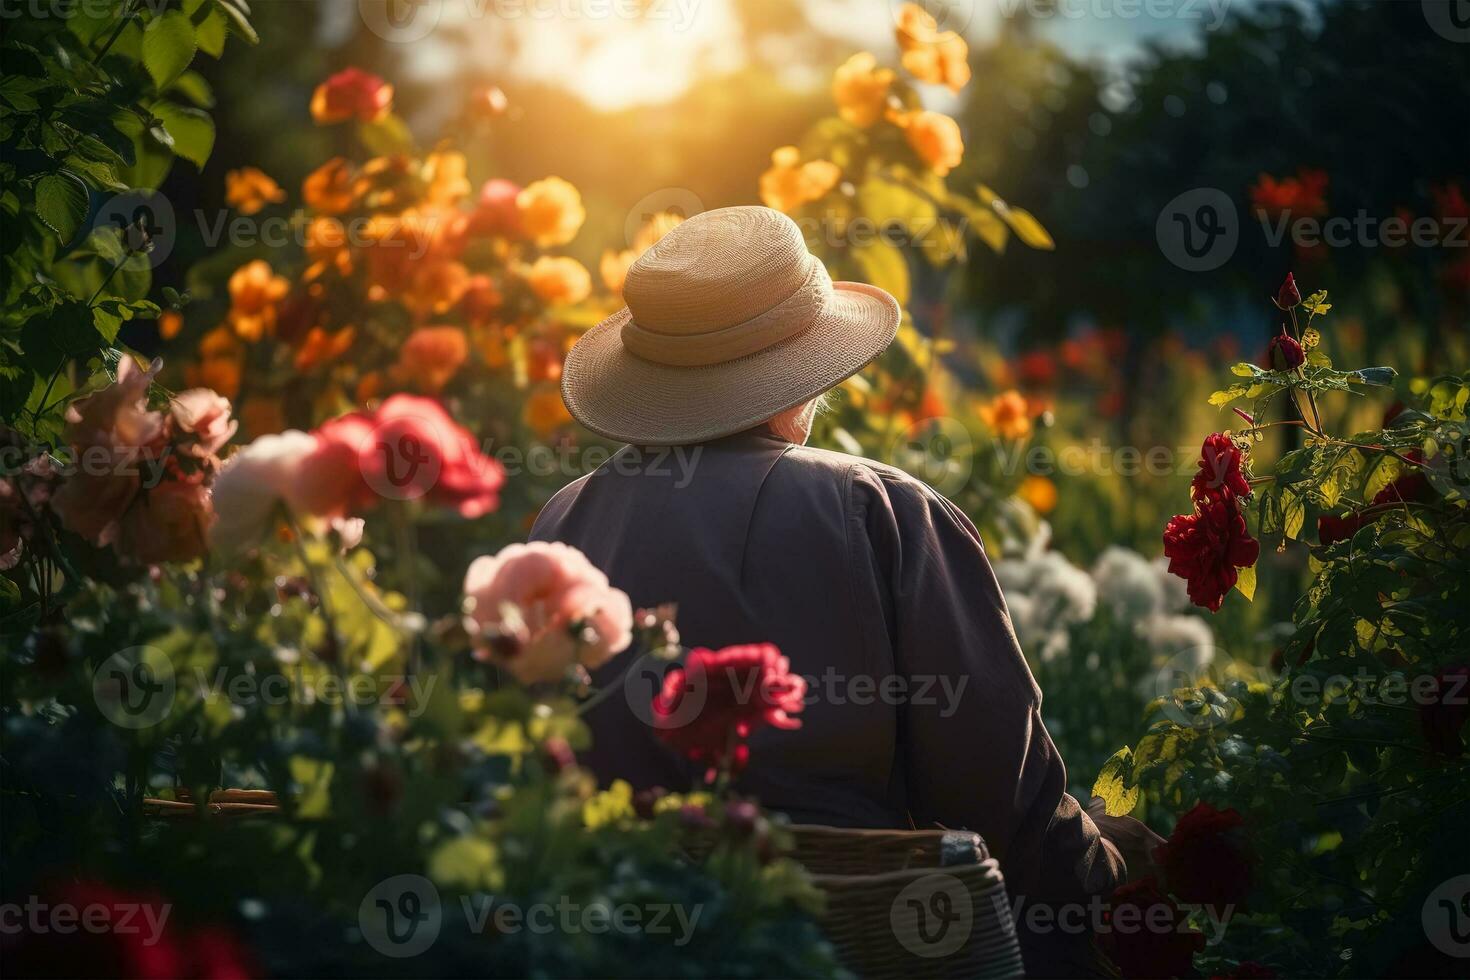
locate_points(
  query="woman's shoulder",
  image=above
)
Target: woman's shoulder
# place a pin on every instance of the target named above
(865, 480)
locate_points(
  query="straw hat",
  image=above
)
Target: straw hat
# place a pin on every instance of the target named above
(730, 320)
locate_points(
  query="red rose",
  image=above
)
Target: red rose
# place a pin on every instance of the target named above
(1220, 468)
(1143, 934)
(1444, 713)
(1284, 353)
(1205, 860)
(1288, 296)
(728, 694)
(1207, 546)
(409, 448)
(351, 94)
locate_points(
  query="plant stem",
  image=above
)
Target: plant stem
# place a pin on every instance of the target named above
(122, 23)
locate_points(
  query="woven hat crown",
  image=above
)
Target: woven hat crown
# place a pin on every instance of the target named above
(718, 269)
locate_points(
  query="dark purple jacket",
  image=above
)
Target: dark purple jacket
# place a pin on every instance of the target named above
(920, 709)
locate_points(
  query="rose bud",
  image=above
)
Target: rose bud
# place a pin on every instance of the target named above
(1285, 353)
(1288, 297)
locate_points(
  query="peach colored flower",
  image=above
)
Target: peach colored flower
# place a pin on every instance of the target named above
(939, 58)
(248, 190)
(558, 279)
(112, 434)
(327, 248)
(171, 522)
(254, 292)
(328, 188)
(860, 88)
(551, 211)
(431, 356)
(436, 288)
(539, 608)
(496, 213)
(202, 418)
(789, 183)
(934, 137)
(170, 322)
(399, 248)
(481, 299)
(351, 94)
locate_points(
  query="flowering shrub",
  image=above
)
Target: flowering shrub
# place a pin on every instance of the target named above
(1335, 779)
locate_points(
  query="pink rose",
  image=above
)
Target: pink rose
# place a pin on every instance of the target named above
(538, 608)
(254, 482)
(205, 416)
(171, 522)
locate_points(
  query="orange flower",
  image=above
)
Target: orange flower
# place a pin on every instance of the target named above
(444, 173)
(551, 211)
(431, 356)
(219, 363)
(789, 183)
(614, 265)
(491, 341)
(254, 292)
(558, 279)
(326, 247)
(1008, 415)
(1301, 195)
(369, 387)
(929, 55)
(1039, 492)
(321, 346)
(934, 137)
(247, 190)
(351, 94)
(481, 299)
(402, 247)
(436, 287)
(860, 89)
(170, 322)
(328, 188)
(385, 182)
(545, 412)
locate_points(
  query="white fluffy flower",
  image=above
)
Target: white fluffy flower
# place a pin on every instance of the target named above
(1128, 584)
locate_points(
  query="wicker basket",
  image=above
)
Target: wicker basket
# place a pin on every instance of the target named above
(920, 903)
(900, 903)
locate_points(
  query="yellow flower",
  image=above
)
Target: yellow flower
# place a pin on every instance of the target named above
(326, 247)
(860, 89)
(545, 412)
(254, 292)
(934, 137)
(929, 55)
(445, 174)
(247, 190)
(558, 279)
(1039, 492)
(551, 211)
(789, 183)
(321, 346)
(1008, 415)
(612, 805)
(328, 188)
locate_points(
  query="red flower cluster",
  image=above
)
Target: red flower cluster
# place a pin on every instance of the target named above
(1300, 196)
(1205, 860)
(726, 695)
(351, 94)
(1207, 546)
(409, 448)
(1145, 942)
(152, 947)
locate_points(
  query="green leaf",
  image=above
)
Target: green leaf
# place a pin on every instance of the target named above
(1245, 579)
(1227, 395)
(1380, 376)
(386, 136)
(211, 33)
(192, 86)
(239, 22)
(61, 202)
(1112, 784)
(884, 266)
(168, 47)
(1293, 516)
(192, 131)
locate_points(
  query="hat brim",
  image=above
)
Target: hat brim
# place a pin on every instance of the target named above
(628, 399)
